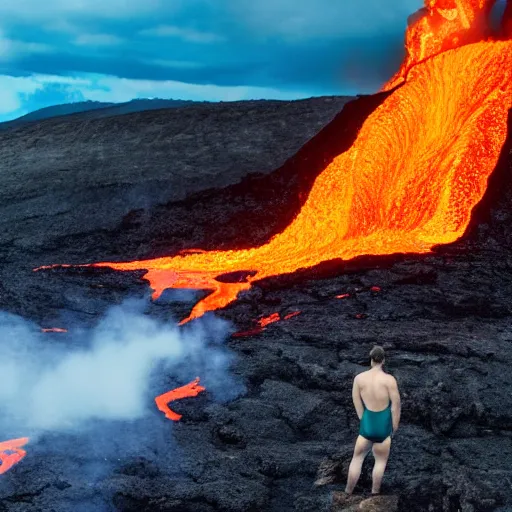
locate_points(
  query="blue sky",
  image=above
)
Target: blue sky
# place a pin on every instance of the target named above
(58, 51)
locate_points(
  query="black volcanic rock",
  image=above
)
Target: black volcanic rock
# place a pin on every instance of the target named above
(66, 177)
(154, 183)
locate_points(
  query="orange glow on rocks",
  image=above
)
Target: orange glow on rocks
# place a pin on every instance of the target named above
(506, 29)
(189, 390)
(246, 334)
(419, 165)
(11, 453)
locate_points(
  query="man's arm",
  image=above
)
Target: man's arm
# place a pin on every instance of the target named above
(356, 398)
(396, 407)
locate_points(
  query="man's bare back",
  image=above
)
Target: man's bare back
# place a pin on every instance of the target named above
(377, 389)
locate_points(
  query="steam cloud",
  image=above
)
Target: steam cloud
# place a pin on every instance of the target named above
(47, 384)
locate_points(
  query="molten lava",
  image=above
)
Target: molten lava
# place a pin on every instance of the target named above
(419, 165)
(189, 390)
(442, 25)
(266, 320)
(263, 322)
(11, 453)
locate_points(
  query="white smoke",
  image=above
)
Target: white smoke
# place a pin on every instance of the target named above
(48, 384)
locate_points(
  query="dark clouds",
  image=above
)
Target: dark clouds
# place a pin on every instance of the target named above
(286, 48)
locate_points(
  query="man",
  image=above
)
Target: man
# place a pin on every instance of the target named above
(377, 402)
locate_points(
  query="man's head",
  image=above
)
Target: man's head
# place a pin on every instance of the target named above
(377, 355)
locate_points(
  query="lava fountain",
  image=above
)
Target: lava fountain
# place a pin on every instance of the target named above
(418, 166)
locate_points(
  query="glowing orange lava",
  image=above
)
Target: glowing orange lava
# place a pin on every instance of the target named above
(11, 453)
(189, 390)
(54, 329)
(442, 25)
(274, 317)
(263, 322)
(419, 165)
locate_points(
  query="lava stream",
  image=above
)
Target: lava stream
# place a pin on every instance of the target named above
(439, 26)
(189, 390)
(419, 165)
(11, 453)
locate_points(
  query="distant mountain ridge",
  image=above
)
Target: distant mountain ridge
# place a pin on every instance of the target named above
(95, 109)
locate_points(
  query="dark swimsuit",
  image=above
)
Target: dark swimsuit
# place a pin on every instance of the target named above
(376, 426)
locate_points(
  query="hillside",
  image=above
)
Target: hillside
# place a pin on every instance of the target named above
(218, 176)
(93, 110)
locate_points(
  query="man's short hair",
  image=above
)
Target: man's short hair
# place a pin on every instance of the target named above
(377, 354)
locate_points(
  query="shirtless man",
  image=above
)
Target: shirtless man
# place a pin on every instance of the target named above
(377, 402)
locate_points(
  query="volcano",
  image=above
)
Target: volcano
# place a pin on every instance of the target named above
(391, 225)
(409, 181)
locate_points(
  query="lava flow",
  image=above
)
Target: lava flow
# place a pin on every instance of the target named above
(189, 390)
(419, 165)
(440, 26)
(263, 322)
(11, 453)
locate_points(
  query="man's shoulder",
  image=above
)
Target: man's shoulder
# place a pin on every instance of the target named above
(361, 375)
(390, 379)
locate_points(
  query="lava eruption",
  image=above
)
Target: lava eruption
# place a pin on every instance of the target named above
(418, 166)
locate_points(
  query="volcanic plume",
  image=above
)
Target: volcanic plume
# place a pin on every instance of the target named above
(410, 180)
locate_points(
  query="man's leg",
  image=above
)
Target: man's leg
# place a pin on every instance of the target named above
(381, 454)
(354, 471)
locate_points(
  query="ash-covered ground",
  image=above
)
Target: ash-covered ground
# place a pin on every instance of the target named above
(150, 184)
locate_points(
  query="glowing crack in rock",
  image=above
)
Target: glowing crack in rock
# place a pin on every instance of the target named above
(266, 320)
(263, 322)
(410, 180)
(11, 453)
(189, 390)
(292, 314)
(250, 332)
